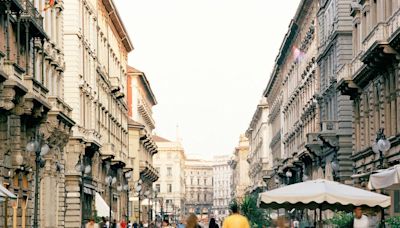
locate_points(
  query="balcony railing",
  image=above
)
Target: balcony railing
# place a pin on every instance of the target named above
(31, 13)
(329, 125)
(393, 24)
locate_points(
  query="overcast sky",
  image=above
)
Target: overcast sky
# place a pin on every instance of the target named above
(208, 62)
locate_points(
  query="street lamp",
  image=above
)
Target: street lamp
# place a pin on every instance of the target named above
(128, 176)
(288, 175)
(110, 180)
(83, 169)
(40, 148)
(381, 145)
(138, 189)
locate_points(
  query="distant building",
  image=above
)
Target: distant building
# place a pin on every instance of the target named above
(240, 169)
(142, 147)
(260, 157)
(222, 176)
(170, 187)
(199, 187)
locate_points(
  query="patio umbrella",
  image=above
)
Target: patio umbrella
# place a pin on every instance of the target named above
(322, 194)
(388, 178)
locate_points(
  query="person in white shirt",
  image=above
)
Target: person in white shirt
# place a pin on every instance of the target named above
(360, 220)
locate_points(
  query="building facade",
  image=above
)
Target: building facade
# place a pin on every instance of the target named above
(240, 182)
(96, 51)
(260, 156)
(199, 187)
(32, 110)
(222, 176)
(142, 147)
(170, 187)
(372, 81)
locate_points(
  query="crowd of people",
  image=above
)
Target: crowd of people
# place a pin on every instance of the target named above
(235, 220)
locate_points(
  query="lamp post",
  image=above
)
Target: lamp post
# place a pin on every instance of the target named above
(83, 169)
(155, 190)
(138, 189)
(110, 180)
(381, 145)
(40, 148)
(127, 175)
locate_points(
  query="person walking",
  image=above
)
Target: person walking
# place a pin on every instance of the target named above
(191, 221)
(360, 220)
(92, 224)
(235, 220)
(213, 224)
(122, 224)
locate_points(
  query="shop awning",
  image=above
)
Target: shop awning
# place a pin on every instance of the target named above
(5, 193)
(102, 207)
(388, 178)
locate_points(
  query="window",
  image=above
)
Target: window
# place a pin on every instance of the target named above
(191, 181)
(158, 169)
(205, 181)
(198, 196)
(198, 181)
(205, 197)
(169, 188)
(396, 201)
(158, 188)
(169, 171)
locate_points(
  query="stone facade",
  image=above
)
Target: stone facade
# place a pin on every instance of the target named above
(372, 81)
(96, 52)
(240, 181)
(170, 163)
(199, 187)
(260, 156)
(222, 176)
(32, 107)
(142, 147)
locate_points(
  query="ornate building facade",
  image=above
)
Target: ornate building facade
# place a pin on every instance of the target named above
(199, 187)
(142, 147)
(240, 181)
(372, 81)
(96, 52)
(260, 156)
(32, 109)
(222, 176)
(170, 187)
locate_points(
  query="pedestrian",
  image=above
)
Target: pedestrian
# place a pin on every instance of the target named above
(166, 224)
(122, 224)
(130, 224)
(92, 224)
(213, 224)
(103, 223)
(235, 220)
(181, 225)
(113, 224)
(360, 220)
(192, 221)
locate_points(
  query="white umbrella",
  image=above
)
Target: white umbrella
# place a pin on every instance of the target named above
(322, 194)
(388, 178)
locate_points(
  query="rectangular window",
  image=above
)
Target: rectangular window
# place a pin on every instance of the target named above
(158, 187)
(396, 201)
(169, 188)
(169, 171)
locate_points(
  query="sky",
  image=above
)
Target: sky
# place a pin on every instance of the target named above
(208, 62)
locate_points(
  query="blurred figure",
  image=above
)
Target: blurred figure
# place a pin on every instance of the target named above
(103, 223)
(235, 220)
(360, 220)
(122, 224)
(191, 221)
(281, 223)
(130, 224)
(91, 224)
(213, 224)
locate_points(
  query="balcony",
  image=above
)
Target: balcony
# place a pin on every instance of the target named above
(314, 145)
(345, 83)
(148, 172)
(35, 19)
(15, 5)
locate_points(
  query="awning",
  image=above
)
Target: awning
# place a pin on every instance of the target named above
(5, 193)
(322, 194)
(102, 207)
(388, 178)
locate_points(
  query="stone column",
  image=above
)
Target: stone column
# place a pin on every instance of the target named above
(73, 213)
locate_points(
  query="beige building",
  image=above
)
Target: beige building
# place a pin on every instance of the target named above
(222, 186)
(240, 169)
(260, 157)
(199, 187)
(372, 81)
(32, 108)
(96, 52)
(142, 147)
(170, 187)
